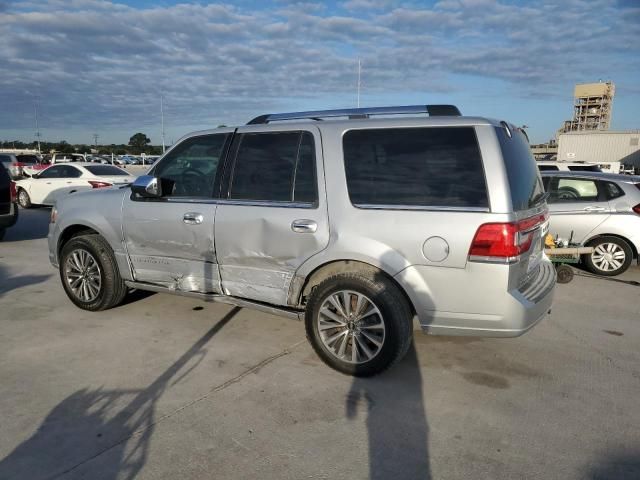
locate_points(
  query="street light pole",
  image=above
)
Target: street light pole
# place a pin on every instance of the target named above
(35, 109)
(162, 120)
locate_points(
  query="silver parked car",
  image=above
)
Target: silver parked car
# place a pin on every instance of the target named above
(354, 224)
(601, 210)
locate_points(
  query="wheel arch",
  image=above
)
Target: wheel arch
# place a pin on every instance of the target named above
(301, 286)
(632, 246)
(71, 231)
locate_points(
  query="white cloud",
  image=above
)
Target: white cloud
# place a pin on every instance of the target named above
(99, 64)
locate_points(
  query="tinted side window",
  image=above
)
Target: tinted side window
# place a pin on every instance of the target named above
(275, 167)
(192, 165)
(70, 172)
(428, 167)
(584, 168)
(305, 184)
(612, 190)
(547, 168)
(524, 178)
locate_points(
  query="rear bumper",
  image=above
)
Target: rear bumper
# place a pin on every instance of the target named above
(9, 219)
(472, 307)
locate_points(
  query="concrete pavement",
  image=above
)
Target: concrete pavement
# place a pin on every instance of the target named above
(169, 387)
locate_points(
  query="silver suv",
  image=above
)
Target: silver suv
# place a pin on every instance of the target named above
(354, 224)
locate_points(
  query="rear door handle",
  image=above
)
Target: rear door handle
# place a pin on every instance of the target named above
(304, 226)
(594, 209)
(192, 218)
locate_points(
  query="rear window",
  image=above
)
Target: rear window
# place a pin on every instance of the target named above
(584, 168)
(522, 172)
(415, 167)
(105, 170)
(30, 159)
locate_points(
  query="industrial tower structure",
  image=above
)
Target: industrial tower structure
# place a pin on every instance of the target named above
(591, 107)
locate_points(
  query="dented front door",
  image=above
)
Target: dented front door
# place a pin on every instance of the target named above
(275, 214)
(170, 240)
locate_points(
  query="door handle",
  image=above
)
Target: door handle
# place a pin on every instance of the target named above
(304, 226)
(192, 218)
(594, 209)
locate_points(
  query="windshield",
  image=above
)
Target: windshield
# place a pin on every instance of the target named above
(524, 178)
(105, 170)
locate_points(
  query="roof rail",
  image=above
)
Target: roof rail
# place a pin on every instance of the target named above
(432, 110)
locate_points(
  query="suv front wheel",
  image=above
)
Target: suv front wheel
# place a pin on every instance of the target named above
(89, 273)
(359, 324)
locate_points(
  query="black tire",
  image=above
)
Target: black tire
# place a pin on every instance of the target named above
(112, 289)
(23, 198)
(564, 273)
(600, 244)
(395, 314)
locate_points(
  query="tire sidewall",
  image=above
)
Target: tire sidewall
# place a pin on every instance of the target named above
(99, 255)
(622, 244)
(23, 199)
(383, 299)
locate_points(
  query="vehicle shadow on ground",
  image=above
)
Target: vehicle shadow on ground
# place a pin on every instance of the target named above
(90, 423)
(32, 224)
(616, 467)
(8, 283)
(585, 274)
(396, 421)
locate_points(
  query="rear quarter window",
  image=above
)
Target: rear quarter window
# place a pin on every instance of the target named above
(415, 167)
(525, 183)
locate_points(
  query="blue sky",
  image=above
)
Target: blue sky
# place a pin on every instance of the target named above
(101, 67)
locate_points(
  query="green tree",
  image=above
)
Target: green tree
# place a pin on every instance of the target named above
(139, 140)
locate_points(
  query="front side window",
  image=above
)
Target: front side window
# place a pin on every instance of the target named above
(277, 167)
(192, 165)
(572, 190)
(52, 172)
(425, 167)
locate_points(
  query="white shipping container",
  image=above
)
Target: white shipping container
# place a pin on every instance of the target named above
(603, 148)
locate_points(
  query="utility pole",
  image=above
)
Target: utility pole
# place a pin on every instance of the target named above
(35, 109)
(162, 120)
(95, 139)
(359, 76)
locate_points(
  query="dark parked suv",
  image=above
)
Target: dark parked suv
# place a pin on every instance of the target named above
(8, 206)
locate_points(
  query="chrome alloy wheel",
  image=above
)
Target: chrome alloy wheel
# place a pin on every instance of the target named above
(351, 326)
(608, 257)
(82, 274)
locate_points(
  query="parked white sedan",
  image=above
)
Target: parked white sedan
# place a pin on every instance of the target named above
(60, 179)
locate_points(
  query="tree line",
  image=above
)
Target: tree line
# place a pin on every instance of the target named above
(138, 143)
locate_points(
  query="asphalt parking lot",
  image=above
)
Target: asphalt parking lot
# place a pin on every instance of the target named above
(170, 387)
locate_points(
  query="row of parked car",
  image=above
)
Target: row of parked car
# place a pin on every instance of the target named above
(21, 165)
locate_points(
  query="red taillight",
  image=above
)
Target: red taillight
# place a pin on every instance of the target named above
(18, 164)
(14, 192)
(97, 184)
(637, 209)
(505, 240)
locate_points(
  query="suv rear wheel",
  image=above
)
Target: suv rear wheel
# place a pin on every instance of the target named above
(89, 273)
(611, 256)
(359, 325)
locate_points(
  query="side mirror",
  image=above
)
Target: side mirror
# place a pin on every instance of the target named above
(149, 186)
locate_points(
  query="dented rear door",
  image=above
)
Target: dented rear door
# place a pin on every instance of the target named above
(274, 216)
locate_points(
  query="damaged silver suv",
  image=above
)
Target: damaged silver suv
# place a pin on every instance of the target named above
(354, 224)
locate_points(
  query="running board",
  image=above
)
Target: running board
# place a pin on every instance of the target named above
(212, 297)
